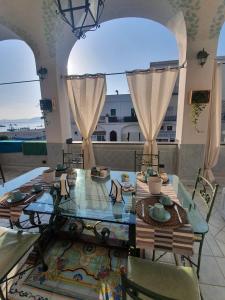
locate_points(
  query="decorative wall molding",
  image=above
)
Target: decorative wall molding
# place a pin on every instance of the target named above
(190, 10)
(217, 21)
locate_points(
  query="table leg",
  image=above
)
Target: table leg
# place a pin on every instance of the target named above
(132, 235)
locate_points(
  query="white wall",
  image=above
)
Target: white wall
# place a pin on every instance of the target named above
(122, 104)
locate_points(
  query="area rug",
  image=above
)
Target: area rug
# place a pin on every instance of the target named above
(81, 271)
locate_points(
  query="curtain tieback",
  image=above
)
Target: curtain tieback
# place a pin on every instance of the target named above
(86, 141)
(150, 141)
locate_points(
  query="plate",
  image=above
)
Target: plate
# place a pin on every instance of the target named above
(11, 200)
(36, 192)
(166, 218)
(162, 202)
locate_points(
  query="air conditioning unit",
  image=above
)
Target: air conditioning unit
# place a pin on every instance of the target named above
(223, 203)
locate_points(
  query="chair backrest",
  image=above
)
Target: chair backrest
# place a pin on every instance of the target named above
(2, 174)
(137, 292)
(73, 159)
(145, 160)
(207, 191)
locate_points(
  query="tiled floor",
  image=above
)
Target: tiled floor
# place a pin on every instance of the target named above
(212, 274)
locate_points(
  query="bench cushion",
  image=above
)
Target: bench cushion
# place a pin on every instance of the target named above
(170, 281)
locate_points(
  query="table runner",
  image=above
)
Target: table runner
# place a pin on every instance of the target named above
(179, 241)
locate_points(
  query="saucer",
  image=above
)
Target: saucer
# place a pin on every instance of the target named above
(12, 200)
(157, 195)
(166, 218)
(36, 192)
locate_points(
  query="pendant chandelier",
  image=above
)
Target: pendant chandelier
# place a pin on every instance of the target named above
(80, 15)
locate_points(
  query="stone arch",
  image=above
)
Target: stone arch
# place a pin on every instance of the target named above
(158, 11)
(11, 32)
(12, 37)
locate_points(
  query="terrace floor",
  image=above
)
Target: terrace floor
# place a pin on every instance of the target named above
(212, 274)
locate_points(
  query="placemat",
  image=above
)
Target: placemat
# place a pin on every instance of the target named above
(142, 206)
(177, 240)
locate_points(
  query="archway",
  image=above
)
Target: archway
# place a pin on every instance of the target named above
(19, 102)
(113, 136)
(119, 54)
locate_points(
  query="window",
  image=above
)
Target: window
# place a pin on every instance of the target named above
(169, 128)
(113, 112)
(100, 138)
(162, 127)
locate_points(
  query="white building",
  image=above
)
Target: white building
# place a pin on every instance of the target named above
(118, 121)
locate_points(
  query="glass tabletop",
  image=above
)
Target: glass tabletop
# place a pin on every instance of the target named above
(89, 199)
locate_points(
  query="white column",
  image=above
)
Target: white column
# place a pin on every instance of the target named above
(191, 142)
(58, 125)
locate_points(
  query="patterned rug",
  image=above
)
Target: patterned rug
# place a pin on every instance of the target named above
(81, 271)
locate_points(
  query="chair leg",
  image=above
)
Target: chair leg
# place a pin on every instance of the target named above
(2, 295)
(2, 174)
(153, 255)
(199, 255)
(11, 223)
(44, 265)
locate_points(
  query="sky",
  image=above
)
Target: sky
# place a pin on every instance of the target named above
(117, 46)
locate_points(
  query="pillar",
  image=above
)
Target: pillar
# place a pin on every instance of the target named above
(191, 142)
(58, 122)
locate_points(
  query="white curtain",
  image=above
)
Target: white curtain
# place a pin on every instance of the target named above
(87, 97)
(212, 147)
(151, 91)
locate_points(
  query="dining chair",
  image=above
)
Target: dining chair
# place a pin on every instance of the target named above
(14, 245)
(2, 177)
(207, 192)
(145, 279)
(73, 159)
(146, 160)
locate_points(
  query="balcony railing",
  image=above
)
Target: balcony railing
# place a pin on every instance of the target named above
(115, 119)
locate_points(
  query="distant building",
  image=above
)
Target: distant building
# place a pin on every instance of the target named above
(118, 122)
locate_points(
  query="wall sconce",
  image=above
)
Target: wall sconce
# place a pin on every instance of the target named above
(42, 73)
(202, 57)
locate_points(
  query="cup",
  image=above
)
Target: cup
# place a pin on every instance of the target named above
(158, 211)
(17, 195)
(60, 167)
(154, 185)
(124, 177)
(149, 171)
(166, 200)
(37, 187)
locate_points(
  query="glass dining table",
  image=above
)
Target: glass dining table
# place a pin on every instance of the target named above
(89, 200)
(89, 203)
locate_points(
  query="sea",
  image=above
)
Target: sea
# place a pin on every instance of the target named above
(33, 123)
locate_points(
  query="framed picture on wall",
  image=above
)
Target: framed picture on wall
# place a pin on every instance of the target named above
(200, 97)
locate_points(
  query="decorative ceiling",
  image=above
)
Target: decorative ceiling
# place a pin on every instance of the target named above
(190, 9)
(44, 30)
